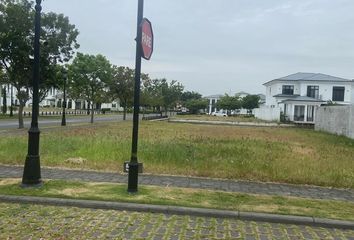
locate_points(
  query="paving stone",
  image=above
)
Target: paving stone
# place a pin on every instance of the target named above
(264, 237)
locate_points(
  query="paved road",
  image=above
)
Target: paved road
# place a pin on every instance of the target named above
(189, 182)
(56, 121)
(45, 222)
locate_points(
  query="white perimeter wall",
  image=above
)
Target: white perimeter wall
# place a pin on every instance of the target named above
(267, 113)
(336, 119)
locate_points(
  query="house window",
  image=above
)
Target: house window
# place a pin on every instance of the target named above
(299, 113)
(313, 91)
(288, 90)
(338, 94)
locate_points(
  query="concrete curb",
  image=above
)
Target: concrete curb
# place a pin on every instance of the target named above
(201, 212)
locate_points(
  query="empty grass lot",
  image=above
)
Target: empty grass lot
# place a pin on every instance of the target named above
(299, 156)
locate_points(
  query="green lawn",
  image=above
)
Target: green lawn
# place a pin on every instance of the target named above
(300, 156)
(185, 197)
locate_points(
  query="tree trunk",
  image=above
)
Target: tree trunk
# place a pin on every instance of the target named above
(124, 111)
(20, 116)
(92, 111)
(4, 102)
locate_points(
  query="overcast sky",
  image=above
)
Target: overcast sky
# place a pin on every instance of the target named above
(221, 46)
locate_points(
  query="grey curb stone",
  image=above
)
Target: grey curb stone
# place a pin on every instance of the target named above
(200, 212)
(247, 124)
(276, 218)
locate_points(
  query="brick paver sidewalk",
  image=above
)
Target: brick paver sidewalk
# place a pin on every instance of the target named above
(189, 182)
(20, 221)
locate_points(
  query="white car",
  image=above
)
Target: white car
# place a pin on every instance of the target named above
(219, 114)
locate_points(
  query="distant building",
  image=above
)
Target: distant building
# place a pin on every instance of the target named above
(213, 99)
(54, 99)
(297, 95)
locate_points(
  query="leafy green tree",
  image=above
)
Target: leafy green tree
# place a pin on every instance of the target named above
(194, 105)
(163, 94)
(16, 47)
(89, 76)
(187, 96)
(121, 86)
(170, 93)
(250, 102)
(229, 103)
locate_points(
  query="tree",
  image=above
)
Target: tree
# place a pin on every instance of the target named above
(187, 96)
(170, 93)
(250, 102)
(88, 75)
(16, 47)
(4, 101)
(229, 103)
(194, 105)
(121, 86)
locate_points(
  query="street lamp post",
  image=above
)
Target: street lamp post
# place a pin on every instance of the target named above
(32, 170)
(65, 78)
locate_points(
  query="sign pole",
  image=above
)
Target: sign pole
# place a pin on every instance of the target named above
(133, 164)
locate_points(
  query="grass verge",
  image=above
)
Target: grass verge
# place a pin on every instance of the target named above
(185, 197)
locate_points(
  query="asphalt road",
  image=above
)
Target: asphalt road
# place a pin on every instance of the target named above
(56, 121)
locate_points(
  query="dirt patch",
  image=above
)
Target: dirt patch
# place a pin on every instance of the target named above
(73, 191)
(303, 150)
(76, 161)
(9, 181)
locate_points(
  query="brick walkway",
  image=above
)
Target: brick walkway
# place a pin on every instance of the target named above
(188, 182)
(44, 222)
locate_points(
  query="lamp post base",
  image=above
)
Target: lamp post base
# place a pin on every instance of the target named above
(133, 177)
(32, 172)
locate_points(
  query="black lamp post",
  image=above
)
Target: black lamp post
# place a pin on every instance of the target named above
(32, 170)
(65, 78)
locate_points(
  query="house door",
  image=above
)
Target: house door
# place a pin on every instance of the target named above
(310, 113)
(299, 113)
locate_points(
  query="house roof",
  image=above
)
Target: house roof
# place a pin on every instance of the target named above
(301, 76)
(302, 99)
(242, 93)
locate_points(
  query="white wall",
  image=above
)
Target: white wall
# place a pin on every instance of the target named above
(336, 119)
(267, 113)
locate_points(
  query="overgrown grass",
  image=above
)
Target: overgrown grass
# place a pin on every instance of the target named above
(185, 197)
(300, 156)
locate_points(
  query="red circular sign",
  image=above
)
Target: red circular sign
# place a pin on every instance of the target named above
(147, 39)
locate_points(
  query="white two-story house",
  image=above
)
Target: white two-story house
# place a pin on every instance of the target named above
(298, 95)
